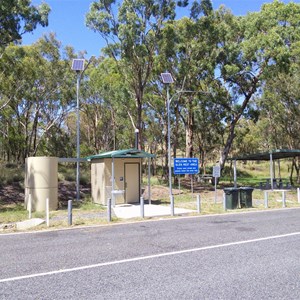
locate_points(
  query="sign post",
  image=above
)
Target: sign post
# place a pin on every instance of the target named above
(216, 174)
(186, 166)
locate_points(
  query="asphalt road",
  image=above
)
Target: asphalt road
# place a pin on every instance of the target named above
(232, 256)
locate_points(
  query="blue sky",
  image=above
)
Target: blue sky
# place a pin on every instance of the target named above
(67, 20)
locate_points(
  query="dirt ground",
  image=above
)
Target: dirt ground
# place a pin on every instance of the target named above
(14, 193)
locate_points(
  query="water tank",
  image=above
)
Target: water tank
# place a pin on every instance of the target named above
(41, 182)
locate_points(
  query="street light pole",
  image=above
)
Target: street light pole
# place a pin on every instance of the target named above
(78, 66)
(169, 153)
(78, 137)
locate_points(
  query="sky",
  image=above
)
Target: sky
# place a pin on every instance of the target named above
(67, 21)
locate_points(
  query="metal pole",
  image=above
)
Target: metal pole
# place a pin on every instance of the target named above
(70, 212)
(47, 212)
(198, 204)
(271, 170)
(142, 210)
(234, 174)
(169, 154)
(29, 206)
(266, 199)
(224, 201)
(78, 138)
(215, 190)
(149, 183)
(283, 199)
(109, 210)
(113, 181)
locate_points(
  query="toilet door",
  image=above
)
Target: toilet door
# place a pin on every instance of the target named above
(132, 182)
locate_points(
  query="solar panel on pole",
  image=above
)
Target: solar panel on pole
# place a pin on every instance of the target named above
(78, 64)
(167, 78)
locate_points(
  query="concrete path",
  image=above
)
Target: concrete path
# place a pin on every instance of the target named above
(134, 211)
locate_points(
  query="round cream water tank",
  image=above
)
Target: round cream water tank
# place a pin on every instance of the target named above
(41, 182)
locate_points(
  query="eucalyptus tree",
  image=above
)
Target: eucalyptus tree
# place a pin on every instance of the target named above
(40, 91)
(132, 30)
(250, 50)
(18, 17)
(106, 113)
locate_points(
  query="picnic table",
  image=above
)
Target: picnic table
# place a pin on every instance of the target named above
(278, 183)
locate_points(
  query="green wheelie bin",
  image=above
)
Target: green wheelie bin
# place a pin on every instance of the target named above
(231, 198)
(246, 196)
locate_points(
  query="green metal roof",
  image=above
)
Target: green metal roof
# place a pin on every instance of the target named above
(129, 153)
(276, 154)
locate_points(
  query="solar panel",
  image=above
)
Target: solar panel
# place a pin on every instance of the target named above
(166, 77)
(78, 64)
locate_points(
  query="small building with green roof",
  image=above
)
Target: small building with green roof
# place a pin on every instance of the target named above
(118, 175)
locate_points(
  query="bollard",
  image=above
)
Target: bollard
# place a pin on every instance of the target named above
(198, 204)
(283, 199)
(224, 202)
(47, 212)
(266, 199)
(298, 194)
(69, 212)
(109, 210)
(29, 206)
(172, 205)
(142, 208)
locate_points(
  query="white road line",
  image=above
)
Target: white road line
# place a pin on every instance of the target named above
(147, 257)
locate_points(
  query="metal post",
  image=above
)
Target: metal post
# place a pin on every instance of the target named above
(298, 194)
(283, 199)
(29, 207)
(169, 154)
(234, 174)
(179, 182)
(266, 199)
(113, 181)
(192, 184)
(149, 182)
(215, 190)
(198, 204)
(142, 208)
(109, 210)
(224, 201)
(47, 212)
(78, 138)
(70, 212)
(271, 171)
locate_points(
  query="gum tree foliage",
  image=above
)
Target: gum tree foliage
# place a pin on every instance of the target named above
(252, 49)
(38, 83)
(18, 17)
(132, 29)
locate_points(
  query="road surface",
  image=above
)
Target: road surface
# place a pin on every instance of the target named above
(253, 255)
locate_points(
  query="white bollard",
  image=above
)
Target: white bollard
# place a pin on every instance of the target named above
(29, 206)
(198, 204)
(298, 194)
(109, 210)
(142, 208)
(266, 199)
(224, 202)
(283, 199)
(47, 212)
(70, 212)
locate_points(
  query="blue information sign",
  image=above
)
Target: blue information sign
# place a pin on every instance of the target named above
(186, 166)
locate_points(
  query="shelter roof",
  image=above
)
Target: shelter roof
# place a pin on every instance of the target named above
(129, 153)
(276, 154)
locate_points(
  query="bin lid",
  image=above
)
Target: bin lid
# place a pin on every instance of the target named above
(246, 188)
(231, 189)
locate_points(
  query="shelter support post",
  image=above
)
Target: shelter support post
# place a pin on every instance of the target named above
(149, 174)
(234, 173)
(271, 171)
(113, 181)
